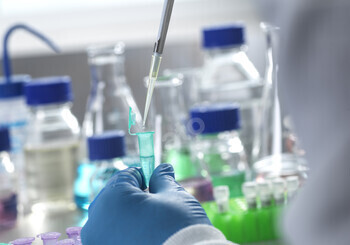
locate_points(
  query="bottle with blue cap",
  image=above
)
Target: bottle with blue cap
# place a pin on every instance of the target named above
(8, 186)
(229, 76)
(106, 152)
(217, 146)
(51, 148)
(14, 113)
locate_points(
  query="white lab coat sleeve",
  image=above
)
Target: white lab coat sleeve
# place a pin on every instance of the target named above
(315, 86)
(198, 235)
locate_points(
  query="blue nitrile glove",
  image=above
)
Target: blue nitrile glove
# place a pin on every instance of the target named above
(124, 214)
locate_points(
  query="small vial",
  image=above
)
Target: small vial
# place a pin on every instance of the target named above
(66, 242)
(73, 232)
(292, 186)
(221, 196)
(278, 189)
(23, 241)
(49, 238)
(265, 194)
(249, 190)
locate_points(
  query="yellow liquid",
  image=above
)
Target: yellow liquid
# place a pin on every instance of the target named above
(50, 174)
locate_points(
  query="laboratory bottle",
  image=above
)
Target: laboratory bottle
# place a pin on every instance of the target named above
(217, 145)
(8, 185)
(12, 96)
(229, 76)
(168, 102)
(51, 148)
(106, 151)
(276, 152)
(16, 119)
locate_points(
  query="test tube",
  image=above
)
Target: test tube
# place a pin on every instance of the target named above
(146, 148)
(66, 242)
(278, 189)
(292, 186)
(73, 232)
(250, 192)
(221, 196)
(23, 241)
(264, 192)
(49, 238)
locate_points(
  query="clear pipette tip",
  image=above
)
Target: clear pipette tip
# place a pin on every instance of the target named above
(153, 74)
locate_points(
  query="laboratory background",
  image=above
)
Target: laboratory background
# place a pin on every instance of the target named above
(89, 89)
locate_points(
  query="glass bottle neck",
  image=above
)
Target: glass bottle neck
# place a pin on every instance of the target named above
(108, 69)
(51, 108)
(215, 52)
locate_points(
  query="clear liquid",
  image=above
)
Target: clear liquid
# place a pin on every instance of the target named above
(50, 174)
(147, 164)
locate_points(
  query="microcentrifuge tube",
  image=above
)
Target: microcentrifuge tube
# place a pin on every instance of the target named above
(221, 196)
(73, 232)
(66, 242)
(292, 186)
(49, 238)
(250, 193)
(23, 241)
(264, 192)
(278, 189)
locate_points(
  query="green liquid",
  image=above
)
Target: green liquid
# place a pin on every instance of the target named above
(243, 225)
(147, 164)
(181, 161)
(234, 182)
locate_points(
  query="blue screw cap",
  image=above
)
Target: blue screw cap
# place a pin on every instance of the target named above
(214, 118)
(5, 144)
(48, 90)
(223, 36)
(14, 88)
(106, 146)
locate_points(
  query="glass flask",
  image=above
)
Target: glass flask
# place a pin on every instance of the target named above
(106, 151)
(217, 146)
(8, 190)
(107, 109)
(110, 97)
(169, 104)
(189, 89)
(229, 76)
(51, 148)
(276, 152)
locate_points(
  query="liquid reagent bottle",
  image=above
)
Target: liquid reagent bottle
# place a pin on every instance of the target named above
(52, 144)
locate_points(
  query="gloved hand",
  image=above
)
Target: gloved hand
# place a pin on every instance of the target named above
(124, 214)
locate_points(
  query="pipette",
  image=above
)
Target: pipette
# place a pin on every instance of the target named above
(157, 53)
(146, 148)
